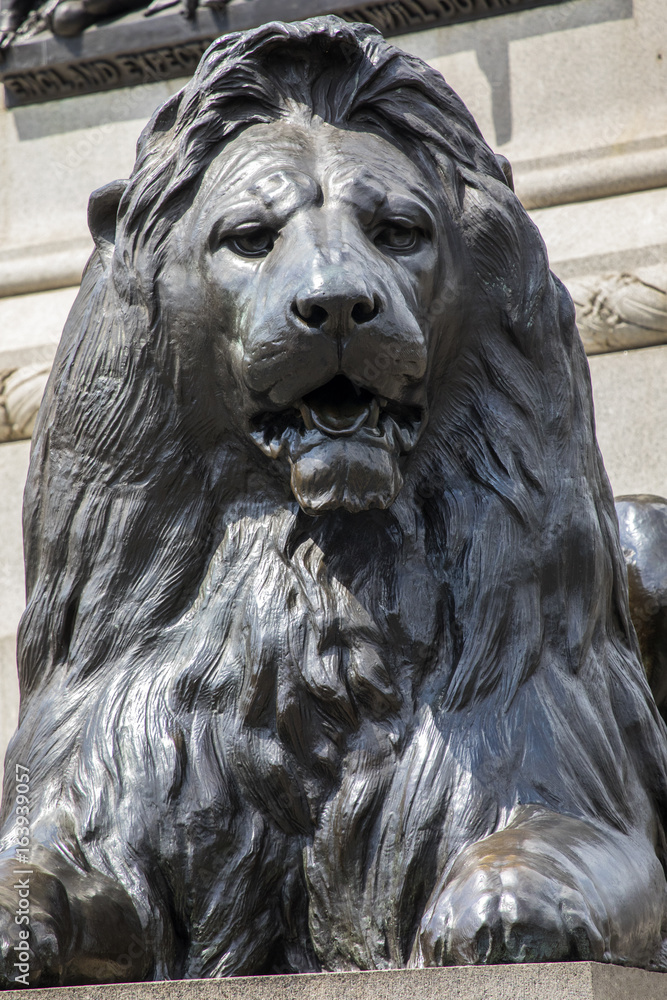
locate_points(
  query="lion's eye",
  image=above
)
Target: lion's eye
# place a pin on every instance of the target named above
(398, 238)
(254, 243)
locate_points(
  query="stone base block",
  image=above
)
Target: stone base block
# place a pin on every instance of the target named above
(554, 981)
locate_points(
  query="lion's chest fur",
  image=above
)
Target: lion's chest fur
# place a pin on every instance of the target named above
(305, 643)
(293, 680)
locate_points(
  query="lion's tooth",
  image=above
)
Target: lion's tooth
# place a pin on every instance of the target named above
(373, 414)
(306, 415)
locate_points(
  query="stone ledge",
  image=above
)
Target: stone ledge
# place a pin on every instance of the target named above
(554, 981)
(601, 176)
(43, 268)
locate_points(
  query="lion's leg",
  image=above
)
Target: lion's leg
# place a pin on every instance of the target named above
(81, 926)
(234, 904)
(548, 888)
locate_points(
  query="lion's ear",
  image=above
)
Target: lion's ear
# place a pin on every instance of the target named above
(506, 168)
(102, 212)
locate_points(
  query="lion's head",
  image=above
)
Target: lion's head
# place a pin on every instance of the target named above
(308, 261)
(311, 269)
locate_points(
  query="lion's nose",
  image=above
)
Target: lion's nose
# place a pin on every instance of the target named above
(320, 308)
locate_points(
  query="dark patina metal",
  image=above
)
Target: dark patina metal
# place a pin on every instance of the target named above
(327, 660)
(643, 524)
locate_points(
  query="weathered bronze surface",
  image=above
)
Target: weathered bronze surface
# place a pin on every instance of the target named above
(327, 661)
(643, 524)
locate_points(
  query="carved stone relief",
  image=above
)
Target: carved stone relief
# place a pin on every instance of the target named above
(620, 312)
(137, 42)
(21, 391)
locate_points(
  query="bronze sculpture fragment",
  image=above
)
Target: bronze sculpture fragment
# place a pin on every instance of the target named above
(327, 660)
(643, 528)
(68, 18)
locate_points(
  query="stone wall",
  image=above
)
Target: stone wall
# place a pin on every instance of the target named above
(575, 95)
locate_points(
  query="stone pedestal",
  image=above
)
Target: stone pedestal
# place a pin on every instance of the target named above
(556, 981)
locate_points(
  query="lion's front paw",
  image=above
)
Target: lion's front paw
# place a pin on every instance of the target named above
(509, 910)
(31, 950)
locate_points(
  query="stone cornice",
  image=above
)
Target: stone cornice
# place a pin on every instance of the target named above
(136, 50)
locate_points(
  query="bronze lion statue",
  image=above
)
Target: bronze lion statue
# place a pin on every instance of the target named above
(327, 661)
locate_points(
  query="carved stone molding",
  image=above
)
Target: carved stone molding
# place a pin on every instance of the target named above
(44, 267)
(21, 391)
(620, 312)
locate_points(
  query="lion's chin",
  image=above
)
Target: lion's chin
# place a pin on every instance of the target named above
(352, 474)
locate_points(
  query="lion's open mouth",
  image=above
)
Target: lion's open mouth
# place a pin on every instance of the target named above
(338, 409)
(342, 443)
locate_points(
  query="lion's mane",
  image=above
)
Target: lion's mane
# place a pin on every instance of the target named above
(393, 699)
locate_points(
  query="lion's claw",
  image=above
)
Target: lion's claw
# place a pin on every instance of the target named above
(48, 938)
(509, 912)
(44, 965)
